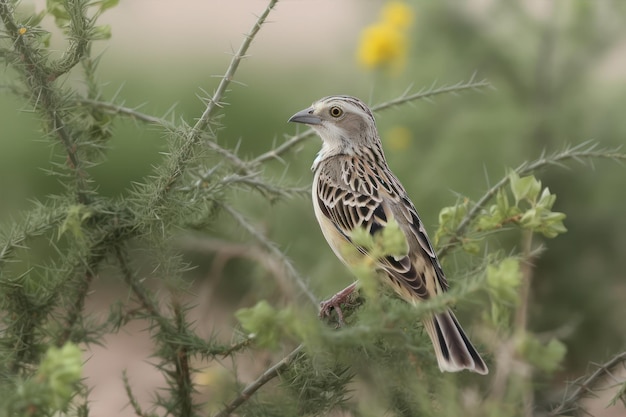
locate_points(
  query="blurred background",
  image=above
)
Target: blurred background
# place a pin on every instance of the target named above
(558, 71)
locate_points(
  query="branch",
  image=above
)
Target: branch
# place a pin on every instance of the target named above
(142, 294)
(225, 250)
(586, 386)
(182, 377)
(131, 397)
(584, 151)
(471, 84)
(78, 38)
(404, 98)
(133, 113)
(271, 247)
(39, 80)
(115, 109)
(215, 101)
(265, 377)
(196, 132)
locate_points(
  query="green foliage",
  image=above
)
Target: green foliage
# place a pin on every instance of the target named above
(545, 356)
(265, 324)
(51, 388)
(503, 281)
(530, 209)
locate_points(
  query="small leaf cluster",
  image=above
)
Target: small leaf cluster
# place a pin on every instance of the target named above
(546, 357)
(50, 389)
(266, 325)
(531, 208)
(365, 249)
(524, 204)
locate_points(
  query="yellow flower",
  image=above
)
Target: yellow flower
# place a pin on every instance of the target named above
(397, 14)
(382, 45)
(385, 43)
(399, 138)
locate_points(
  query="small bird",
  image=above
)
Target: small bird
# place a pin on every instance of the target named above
(353, 187)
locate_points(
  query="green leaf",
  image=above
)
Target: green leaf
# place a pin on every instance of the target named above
(449, 220)
(546, 200)
(503, 280)
(265, 323)
(546, 357)
(57, 9)
(76, 215)
(108, 4)
(524, 188)
(451, 216)
(61, 370)
(553, 225)
(471, 246)
(393, 241)
(101, 32)
(361, 237)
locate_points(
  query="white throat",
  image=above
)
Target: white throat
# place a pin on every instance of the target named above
(333, 143)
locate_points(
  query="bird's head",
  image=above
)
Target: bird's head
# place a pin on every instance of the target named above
(343, 122)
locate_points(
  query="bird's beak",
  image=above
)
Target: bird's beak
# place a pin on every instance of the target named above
(305, 116)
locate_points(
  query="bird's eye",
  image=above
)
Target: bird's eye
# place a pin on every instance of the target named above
(335, 111)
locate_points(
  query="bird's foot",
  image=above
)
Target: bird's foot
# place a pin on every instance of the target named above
(335, 302)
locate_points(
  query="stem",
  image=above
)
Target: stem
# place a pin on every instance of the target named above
(214, 102)
(195, 133)
(184, 385)
(579, 152)
(112, 108)
(586, 386)
(404, 98)
(521, 316)
(271, 247)
(39, 79)
(265, 377)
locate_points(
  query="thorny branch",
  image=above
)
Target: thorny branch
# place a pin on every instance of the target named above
(580, 153)
(269, 374)
(271, 247)
(247, 166)
(39, 79)
(195, 134)
(585, 386)
(404, 98)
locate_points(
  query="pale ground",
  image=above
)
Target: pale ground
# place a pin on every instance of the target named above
(300, 29)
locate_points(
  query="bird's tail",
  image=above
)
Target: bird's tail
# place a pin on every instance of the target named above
(453, 349)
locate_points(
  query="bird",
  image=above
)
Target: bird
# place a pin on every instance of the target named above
(353, 187)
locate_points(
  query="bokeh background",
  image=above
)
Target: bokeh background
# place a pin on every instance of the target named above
(558, 71)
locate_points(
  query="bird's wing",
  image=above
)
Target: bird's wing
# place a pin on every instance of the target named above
(353, 194)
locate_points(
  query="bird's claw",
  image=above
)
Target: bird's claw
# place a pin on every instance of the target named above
(334, 303)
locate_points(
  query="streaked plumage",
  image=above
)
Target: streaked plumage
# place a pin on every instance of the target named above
(353, 187)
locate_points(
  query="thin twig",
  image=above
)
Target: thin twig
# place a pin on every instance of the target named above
(521, 315)
(586, 386)
(226, 250)
(180, 357)
(195, 134)
(39, 79)
(113, 108)
(404, 98)
(585, 150)
(271, 247)
(131, 396)
(141, 293)
(214, 102)
(133, 113)
(265, 377)
(471, 84)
